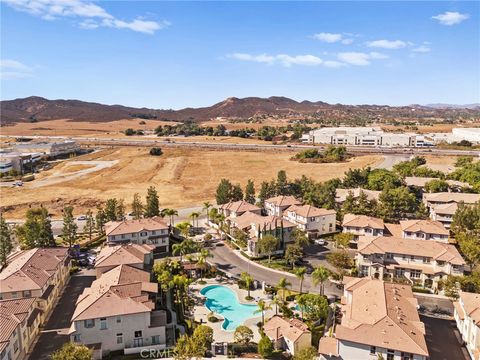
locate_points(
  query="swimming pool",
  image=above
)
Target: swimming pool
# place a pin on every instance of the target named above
(224, 301)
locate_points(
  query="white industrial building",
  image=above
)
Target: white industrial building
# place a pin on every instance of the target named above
(470, 134)
(363, 136)
(21, 162)
(49, 149)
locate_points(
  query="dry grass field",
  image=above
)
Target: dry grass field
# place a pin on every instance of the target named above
(183, 177)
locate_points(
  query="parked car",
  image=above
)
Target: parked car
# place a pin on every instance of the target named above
(82, 217)
(320, 241)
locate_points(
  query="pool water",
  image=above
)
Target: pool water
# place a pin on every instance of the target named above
(224, 301)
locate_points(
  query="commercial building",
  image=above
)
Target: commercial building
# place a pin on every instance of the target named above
(150, 231)
(291, 335)
(470, 134)
(49, 149)
(363, 136)
(423, 264)
(379, 320)
(138, 256)
(314, 221)
(39, 273)
(467, 317)
(275, 206)
(118, 313)
(20, 162)
(19, 326)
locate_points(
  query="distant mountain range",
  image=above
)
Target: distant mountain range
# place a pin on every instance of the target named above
(32, 109)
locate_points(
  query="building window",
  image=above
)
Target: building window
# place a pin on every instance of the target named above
(90, 323)
(77, 338)
(426, 260)
(156, 340)
(119, 338)
(143, 233)
(14, 295)
(390, 354)
(27, 293)
(138, 334)
(407, 356)
(119, 319)
(103, 323)
(389, 255)
(373, 350)
(415, 274)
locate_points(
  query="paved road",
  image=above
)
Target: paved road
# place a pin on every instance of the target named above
(442, 339)
(390, 160)
(226, 260)
(54, 335)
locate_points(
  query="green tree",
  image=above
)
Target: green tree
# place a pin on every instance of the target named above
(262, 307)
(343, 240)
(293, 254)
(277, 302)
(152, 205)
(242, 335)
(340, 259)
(100, 219)
(265, 347)
(282, 183)
(120, 210)
(6, 245)
(224, 191)
(466, 219)
(189, 347)
(315, 307)
(268, 244)
(463, 161)
(204, 335)
(470, 248)
(283, 285)
(300, 273)
(309, 353)
(206, 206)
(237, 193)
(319, 275)
(202, 260)
(436, 185)
(397, 204)
(37, 229)
(247, 280)
(171, 213)
(267, 190)
(137, 206)
(194, 217)
(356, 178)
(250, 192)
(89, 224)
(111, 209)
(69, 230)
(378, 179)
(71, 351)
(300, 238)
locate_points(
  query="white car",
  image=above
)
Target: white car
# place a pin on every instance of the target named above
(320, 241)
(82, 217)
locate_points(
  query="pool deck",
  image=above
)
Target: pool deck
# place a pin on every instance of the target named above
(219, 334)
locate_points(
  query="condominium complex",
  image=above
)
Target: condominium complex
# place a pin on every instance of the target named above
(150, 231)
(362, 225)
(315, 221)
(138, 256)
(379, 320)
(467, 317)
(237, 208)
(278, 204)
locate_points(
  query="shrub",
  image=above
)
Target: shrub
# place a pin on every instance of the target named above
(156, 151)
(129, 132)
(421, 290)
(243, 335)
(74, 269)
(265, 347)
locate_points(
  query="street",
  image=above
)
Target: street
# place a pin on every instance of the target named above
(54, 334)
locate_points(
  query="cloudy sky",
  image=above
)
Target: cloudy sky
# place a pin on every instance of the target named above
(178, 54)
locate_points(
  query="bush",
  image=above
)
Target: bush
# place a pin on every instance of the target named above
(74, 269)
(129, 132)
(212, 318)
(265, 347)
(421, 290)
(156, 151)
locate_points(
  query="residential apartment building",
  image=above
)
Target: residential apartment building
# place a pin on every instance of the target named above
(342, 194)
(291, 335)
(39, 273)
(442, 198)
(362, 225)
(19, 326)
(379, 320)
(424, 230)
(275, 206)
(315, 221)
(139, 256)
(444, 213)
(419, 182)
(421, 263)
(118, 313)
(234, 209)
(150, 231)
(467, 317)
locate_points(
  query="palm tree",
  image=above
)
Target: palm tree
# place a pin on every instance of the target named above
(206, 207)
(300, 273)
(262, 307)
(277, 302)
(184, 228)
(194, 216)
(178, 249)
(247, 279)
(202, 260)
(283, 284)
(302, 302)
(170, 213)
(319, 276)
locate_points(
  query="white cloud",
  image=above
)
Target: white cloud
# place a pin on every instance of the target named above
(360, 58)
(309, 60)
(333, 38)
(94, 16)
(450, 18)
(333, 64)
(285, 60)
(13, 69)
(262, 58)
(421, 49)
(387, 44)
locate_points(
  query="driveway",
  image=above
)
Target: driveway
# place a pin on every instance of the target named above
(234, 264)
(54, 335)
(442, 339)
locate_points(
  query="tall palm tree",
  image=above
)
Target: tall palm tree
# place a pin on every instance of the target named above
(202, 260)
(184, 228)
(247, 279)
(262, 307)
(300, 273)
(283, 285)
(170, 213)
(319, 276)
(194, 216)
(206, 207)
(302, 302)
(277, 302)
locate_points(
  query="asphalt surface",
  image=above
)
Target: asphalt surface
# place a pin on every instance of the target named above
(443, 339)
(53, 336)
(226, 260)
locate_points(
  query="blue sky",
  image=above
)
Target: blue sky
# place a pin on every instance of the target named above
(177, 54)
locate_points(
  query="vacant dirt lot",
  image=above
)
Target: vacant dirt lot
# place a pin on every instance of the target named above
(182, 177)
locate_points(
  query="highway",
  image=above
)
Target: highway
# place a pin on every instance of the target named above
(247, 147)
